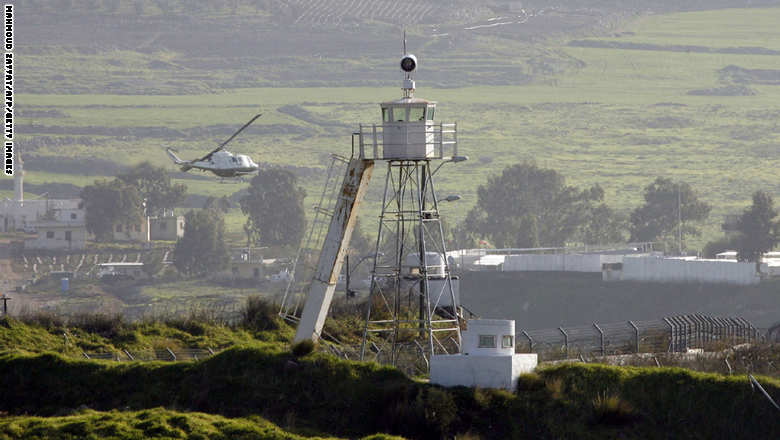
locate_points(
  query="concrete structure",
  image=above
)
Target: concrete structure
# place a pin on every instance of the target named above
(129, 270)
(559, 262)
(691, 270)
(488, 358)
(245, 270)
(24, 214)
(58, 235)
(132, 232)
(170, 227)
(20, 214)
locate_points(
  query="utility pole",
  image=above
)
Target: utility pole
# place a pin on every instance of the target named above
(679, 220)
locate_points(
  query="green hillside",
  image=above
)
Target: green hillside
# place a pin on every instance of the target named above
(629, 105)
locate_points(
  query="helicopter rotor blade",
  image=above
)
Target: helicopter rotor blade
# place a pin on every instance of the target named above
(240, 130)
(222, 145)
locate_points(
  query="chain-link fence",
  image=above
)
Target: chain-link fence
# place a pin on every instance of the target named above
(672, 334)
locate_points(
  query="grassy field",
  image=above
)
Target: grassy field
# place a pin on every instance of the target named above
(620, 120)
(303, 393)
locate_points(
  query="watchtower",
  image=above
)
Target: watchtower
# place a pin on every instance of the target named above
(413, 309)
(413, 306)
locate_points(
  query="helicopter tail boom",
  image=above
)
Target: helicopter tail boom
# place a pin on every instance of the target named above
(185, 165)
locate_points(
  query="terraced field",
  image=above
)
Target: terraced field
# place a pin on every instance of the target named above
(617, 115)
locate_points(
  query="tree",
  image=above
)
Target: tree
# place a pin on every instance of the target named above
(603, 226)
(108, 204)
(154, 185)
(274, 206)
(760, 233)
(667, 203)
(528, 206)
(201, 250)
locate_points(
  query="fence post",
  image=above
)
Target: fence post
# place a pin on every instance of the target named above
(671, 334)
(601, 337)
(636, 336)
(530, 342)
(565, 340)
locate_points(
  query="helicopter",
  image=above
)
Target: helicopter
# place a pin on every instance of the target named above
(220, 161)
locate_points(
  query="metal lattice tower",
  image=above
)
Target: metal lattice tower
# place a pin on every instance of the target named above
(413, 307)
(413, 304)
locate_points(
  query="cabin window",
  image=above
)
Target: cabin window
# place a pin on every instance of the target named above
(385, 115)
(399, 114)
(49, 234)
(416, 114)
(507, 341)
(487, 341)
(429, 114)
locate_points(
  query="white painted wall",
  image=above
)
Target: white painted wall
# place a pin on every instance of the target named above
(481, 371)
(495, 327)
(679, 270)
(559, 262)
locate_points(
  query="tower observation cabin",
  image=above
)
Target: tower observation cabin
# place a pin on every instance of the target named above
(408, 130)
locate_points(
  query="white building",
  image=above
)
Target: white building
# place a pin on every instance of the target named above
(20, 214)
(685, 270)
(488, 358)
(58, 235)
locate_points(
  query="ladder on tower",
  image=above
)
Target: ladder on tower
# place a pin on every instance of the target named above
(305, 261)
(319, 261)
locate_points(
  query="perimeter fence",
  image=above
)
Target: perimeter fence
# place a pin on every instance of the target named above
(671, 334)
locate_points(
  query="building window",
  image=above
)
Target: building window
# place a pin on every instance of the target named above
(137, 228)
(507, 341)
(487, 341)
(118, 228)
(163, 226)
(49, 234)
(73, 216)
(385, 115)
(256, 272)
(67, 235)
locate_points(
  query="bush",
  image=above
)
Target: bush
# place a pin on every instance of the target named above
(611, 409)
(259, 314)
(303, 348)
(105, 325)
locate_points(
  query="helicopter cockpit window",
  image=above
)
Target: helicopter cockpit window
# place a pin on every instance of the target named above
(416, 114)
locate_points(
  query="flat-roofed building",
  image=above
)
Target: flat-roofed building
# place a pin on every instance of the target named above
(58, 235)
(170, 227)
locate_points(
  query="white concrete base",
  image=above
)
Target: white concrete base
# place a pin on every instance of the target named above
(481, 371)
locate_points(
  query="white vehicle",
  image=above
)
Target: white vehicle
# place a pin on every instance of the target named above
(220, 161)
